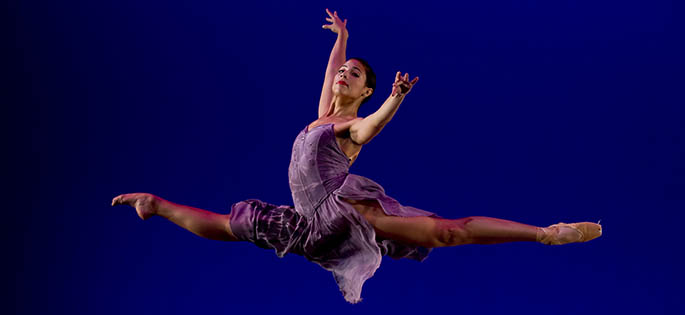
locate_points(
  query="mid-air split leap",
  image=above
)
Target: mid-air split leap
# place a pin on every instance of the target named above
(342, 221)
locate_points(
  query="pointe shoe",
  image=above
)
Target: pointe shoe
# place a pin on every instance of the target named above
(564, 233)
(146, 204)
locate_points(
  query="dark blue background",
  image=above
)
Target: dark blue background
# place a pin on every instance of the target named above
(534, 111)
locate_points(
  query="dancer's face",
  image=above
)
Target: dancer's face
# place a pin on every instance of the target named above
(353, 74)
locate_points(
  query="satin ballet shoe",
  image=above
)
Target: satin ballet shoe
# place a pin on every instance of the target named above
(564, 233)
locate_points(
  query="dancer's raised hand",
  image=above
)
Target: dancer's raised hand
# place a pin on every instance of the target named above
(337, 25)
(402, 86)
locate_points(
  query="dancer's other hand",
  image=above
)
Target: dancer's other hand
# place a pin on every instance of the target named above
(337, 25)
(402, 86)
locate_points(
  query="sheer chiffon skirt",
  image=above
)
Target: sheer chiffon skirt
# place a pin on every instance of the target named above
(336, 236)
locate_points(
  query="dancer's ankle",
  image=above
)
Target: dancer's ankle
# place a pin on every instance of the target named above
(540, 234)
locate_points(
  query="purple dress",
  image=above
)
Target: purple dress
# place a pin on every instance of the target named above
(321, 226)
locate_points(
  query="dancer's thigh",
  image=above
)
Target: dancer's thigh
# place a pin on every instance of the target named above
(421, 231)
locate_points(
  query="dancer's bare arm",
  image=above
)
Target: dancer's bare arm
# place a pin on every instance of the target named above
(336, 59)
(362, 131)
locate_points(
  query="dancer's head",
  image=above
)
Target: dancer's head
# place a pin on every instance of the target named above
(359, 77)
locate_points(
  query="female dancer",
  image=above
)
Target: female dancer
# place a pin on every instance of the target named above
(342, 221)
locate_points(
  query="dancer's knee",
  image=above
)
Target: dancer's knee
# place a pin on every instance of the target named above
(452, 233)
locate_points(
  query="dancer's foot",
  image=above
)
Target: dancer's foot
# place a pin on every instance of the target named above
(564, 233)
(146, 204)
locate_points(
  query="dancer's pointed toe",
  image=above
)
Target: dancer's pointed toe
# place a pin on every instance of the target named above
(589, 230)
(564, 233)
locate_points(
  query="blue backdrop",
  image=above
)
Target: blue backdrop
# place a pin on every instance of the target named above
(533, 111)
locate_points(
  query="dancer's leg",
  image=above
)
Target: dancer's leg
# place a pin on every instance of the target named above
(452, 232)
(485, 230)
(201, 222)
(436, 232)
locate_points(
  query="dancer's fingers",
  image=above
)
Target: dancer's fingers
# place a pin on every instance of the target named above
(415, 80)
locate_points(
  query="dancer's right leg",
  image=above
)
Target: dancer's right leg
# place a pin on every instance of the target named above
(440, 232)
(204, 223)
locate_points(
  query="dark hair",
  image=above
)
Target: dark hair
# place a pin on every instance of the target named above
(370, 77)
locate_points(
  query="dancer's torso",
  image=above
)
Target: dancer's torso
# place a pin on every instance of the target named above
(318, 165)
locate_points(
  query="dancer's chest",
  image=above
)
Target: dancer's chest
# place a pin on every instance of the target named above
(341, 128)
